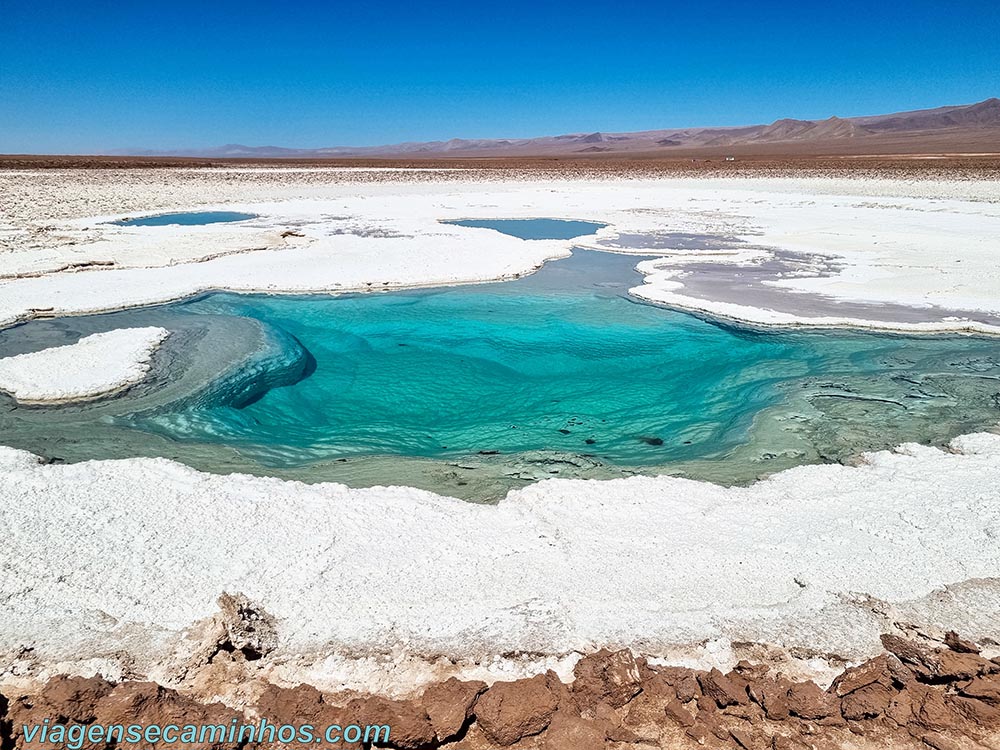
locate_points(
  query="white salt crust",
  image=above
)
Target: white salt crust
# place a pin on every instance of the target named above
(95, 366)
(107, 564)
(891, 241)
(115, 559)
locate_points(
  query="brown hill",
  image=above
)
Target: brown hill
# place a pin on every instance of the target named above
(972, 128)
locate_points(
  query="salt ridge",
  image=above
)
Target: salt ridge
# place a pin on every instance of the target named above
(890, 247)
(95, 366)
(116, 559)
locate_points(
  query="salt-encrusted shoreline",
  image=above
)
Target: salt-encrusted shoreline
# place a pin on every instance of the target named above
(106, 565)
(94, 367)
(921, 693)
(883, 249)
(110, 564)
(662, 288)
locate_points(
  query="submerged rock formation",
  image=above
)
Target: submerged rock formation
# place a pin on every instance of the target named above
(914, 695)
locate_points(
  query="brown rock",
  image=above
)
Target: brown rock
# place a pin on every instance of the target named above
(872, 671)
(979, 713)
(906, 651)
(985, 689)
(781, 742)
(939, 665)
(699, 734)
(409, 724)
(642, 734)
(676, 711)
(150, 704)
(570, 732)
(62, 699)
(306, 705)
(900, 708)
(936, 698)
(952, 665)
(687, 688)
(77, 697)
(657, 686)
(712, 723)
(749, 712)
(448, 705)
(509, 711)
(807, 701)
(303, 701)
(868, 702)
(705, 703)
(744, 739)
(930, 709)
(721, 689)
(628, 736)
(772, 695)
(644, 715)
(952, 641)
(683, 681)
(741, 683)
(940, 742)
(922, 660)
(606, 677)
(605, 714)
(750, 672)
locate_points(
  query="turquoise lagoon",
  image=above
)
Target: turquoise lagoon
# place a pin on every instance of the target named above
(534, 229)
(190, 218)
(472, 390)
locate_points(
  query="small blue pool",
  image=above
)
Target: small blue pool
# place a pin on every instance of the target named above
(190, 218)
(534, 229)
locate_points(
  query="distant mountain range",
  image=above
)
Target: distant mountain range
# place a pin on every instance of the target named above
(973, 128)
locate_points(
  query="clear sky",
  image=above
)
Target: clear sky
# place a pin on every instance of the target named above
(91, 75)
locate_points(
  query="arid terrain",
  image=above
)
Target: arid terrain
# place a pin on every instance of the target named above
(814, 608)
(972, 128)
(917, 695)
(940, 165)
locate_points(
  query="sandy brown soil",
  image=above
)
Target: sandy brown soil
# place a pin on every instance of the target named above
(915, 166)
(915, 695)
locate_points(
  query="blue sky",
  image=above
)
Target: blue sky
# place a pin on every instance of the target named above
(85, 77)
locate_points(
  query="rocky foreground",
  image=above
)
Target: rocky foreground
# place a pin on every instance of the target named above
(915, 695)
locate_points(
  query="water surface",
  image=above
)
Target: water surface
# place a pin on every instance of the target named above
(534, 229)
(192, 218)
(475, 389)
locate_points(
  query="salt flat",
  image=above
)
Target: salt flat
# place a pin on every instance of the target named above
(95, 366)
(386, 586)
(926, 245)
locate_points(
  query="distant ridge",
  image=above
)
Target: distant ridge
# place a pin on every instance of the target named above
(961, 128)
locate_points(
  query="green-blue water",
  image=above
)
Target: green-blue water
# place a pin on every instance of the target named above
(561, 361)
(472, 390)
(534, 229)
(457, 372)
(192, 218)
